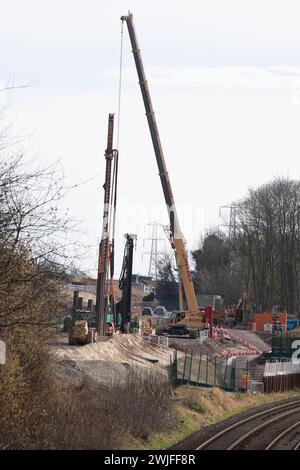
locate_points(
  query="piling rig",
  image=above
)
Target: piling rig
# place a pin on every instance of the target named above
(123, 307)
(105, 291)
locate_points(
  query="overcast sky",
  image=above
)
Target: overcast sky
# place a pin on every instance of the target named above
(225, 83)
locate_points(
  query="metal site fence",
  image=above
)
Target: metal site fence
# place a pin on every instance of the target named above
(283, 345)
(282, 375)
(226, 373)
(232, 375)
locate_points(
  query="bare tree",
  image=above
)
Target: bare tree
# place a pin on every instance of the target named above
(30, 238)
(268, 242)
(217, 267)
(167, 285)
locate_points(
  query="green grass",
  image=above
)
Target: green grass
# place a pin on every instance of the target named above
(193, 407)
(185, 425)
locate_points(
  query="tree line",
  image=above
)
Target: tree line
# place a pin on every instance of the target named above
(258, 257)
(41, 407)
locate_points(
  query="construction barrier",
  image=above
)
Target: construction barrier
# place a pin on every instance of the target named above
(155, 339)
(250, 349)
(204, 334)
(251, 326)
(240, 352)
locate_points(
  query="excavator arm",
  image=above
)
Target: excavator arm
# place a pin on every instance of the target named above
(176, 236)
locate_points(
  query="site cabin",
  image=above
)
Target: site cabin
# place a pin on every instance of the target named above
(265, 321)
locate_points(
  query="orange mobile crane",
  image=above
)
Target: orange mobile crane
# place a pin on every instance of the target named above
(192, 318)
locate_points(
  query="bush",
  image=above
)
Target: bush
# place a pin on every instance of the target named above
(38, 411)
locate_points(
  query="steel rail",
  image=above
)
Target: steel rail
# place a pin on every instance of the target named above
(246, 420)
(281, 435)
(297, 446)
(261, 426)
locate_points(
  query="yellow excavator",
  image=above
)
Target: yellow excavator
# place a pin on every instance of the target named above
(191, 320)
(81, 333)
(82, 325)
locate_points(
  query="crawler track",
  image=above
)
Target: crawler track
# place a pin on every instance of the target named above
(275, 428)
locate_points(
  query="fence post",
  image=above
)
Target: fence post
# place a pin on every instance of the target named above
(172, 372)
(206, 369)
(247, 376)
(199, 369)
(215, 376)
(183, 372)
(232, 378)
(225, 372)
(280, 346)
(191, 365)
(175, 367)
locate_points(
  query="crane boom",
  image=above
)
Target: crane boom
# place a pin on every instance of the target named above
(176, 236)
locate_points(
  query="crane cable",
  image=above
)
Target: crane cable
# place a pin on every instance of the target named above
(115, 173)
(113, 201)
(120, 85)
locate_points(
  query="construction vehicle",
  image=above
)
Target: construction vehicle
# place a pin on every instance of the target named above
(123, 307)
(227, 317)
(81, 333)
(192, 319)
(105, 289)
(82, 329)
(221, 316)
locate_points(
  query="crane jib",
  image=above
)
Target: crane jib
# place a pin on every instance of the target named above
(176, 237)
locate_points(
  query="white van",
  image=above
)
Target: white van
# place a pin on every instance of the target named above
(160, 310)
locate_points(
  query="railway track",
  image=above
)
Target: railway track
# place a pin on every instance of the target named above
(273, 429)
(289, 438)
(297, 446)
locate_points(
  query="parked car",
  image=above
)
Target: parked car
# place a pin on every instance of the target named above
(160, 310)
(147, 311)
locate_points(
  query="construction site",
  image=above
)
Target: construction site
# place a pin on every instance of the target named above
(235, 349)
(206, 341)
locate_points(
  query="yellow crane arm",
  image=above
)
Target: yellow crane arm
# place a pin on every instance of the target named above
(176, 236)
